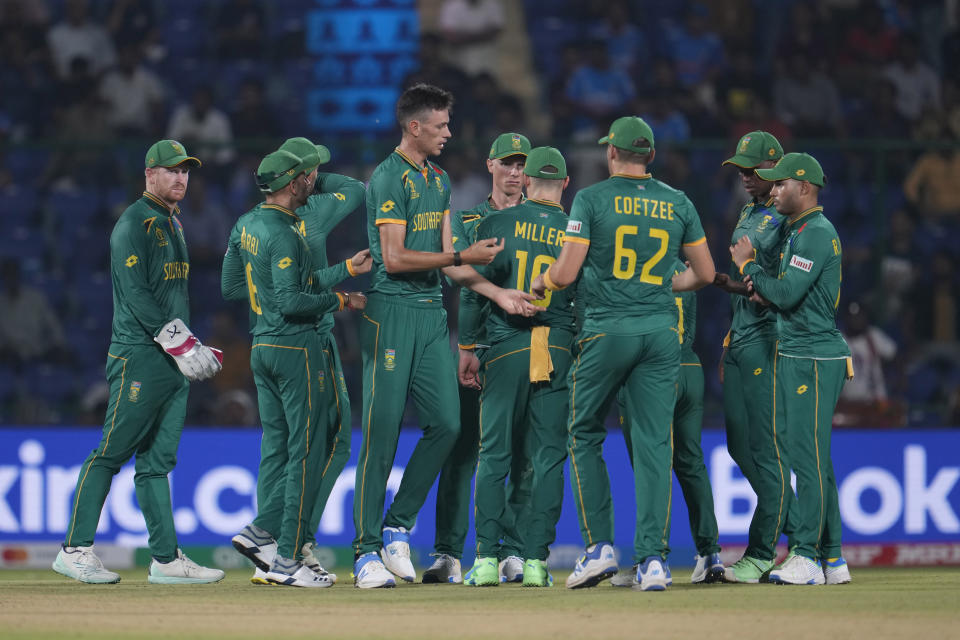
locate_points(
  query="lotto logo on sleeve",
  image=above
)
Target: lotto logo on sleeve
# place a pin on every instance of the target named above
(573, 226)
(801, 263)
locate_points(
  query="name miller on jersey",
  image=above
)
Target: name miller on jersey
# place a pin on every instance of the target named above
(538, 233)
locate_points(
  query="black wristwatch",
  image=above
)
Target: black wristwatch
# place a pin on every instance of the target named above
(457, 260)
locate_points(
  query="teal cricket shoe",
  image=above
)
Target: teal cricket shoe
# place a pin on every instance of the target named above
(484, 573)
(535, 574)
(747, 570)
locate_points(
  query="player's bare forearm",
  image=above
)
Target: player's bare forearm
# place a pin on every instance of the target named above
(565, 270)
(397, 258)
(701, 271)
(728, 284)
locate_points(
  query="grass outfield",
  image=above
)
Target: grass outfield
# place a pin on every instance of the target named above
(880, 603)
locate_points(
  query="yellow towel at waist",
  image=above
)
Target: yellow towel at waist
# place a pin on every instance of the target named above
(541, 365)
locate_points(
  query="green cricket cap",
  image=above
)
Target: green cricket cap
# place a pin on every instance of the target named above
(545, 162)
(509, 144)
(317, 154)
(754, 148)
(168, 153)
(628, 133)
(796, 166)
(277, 169)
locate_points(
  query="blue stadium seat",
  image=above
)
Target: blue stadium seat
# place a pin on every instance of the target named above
(81, 207)
(53, 382)
(21, 242)
(20, 206)
(26, 164)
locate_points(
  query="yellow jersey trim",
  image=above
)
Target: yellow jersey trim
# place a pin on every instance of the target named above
(390, 221)
(805, 214)
(696, 242)
(576, 240)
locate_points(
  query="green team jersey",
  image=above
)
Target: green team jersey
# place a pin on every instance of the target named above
(764, 226)
(149, 267)
(403, 192)
(533, 235)
(686, 321)
(339, 196)
(269, 263)
(473, 308)
(806, 290)
(634, 226)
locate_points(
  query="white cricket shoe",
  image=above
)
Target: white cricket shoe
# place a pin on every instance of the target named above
(626, 577)
(370, 573)
(511, 569)
(260, 577)
(182, 570)
(797, 569)
(652, 575)
(257, 545)
(396, 553)
(835, 571)
(83, 565)
(597, 563)
(286, 573)
(310, 562)
(444, 570)
(709, 569)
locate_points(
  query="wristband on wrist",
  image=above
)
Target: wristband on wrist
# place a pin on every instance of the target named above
(551, 285)
(745, 263)
(343, 300)
(457, 260)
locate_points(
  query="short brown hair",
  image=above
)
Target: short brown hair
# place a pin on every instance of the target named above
(419, 98)
(633, 157)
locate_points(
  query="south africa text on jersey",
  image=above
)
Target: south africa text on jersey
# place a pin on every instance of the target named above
(427, 221)
(176, 270)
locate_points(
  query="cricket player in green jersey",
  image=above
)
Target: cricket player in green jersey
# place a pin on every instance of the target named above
(334, 197)
(152, 358)
(626, 232)
(688, 462)
(269, 263)
(813, 361)
(505, 164)
(747, 366)
(404, 337)
(524, 397)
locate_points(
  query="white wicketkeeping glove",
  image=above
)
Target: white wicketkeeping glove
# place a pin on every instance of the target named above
(195, 361)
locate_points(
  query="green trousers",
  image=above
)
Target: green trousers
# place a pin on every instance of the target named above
(455, 487)
(646, 367)
(406, 352)
(756, 444)
(148, 403)
(291, 394)
(335, 423)
(522, 425)
(807, 393)
(688, 462)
